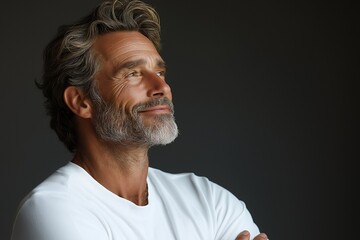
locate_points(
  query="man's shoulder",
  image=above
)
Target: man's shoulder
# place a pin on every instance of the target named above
(189, 182)
(176, 176)
(60, 179)
(54, 189)
(183, 181)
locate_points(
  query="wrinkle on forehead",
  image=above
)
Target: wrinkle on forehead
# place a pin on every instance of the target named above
(115, 44)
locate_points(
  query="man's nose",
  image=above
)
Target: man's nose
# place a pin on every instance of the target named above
(157, 86)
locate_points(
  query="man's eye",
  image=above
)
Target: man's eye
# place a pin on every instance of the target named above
(132, 74)
(161, 73)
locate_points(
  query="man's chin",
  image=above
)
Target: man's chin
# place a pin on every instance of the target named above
(156, 120)
(162, 134)
(162, 142)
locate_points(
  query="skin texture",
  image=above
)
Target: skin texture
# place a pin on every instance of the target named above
(125, 84)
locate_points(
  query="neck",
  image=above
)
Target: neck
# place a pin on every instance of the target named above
(122, 171)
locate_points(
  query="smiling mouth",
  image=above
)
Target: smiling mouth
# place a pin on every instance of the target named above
(160, 109)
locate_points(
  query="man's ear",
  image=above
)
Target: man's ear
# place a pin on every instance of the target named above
(77, 101)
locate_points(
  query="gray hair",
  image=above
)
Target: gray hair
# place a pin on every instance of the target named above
(68, 60)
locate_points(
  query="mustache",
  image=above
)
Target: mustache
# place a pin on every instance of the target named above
(153, 103)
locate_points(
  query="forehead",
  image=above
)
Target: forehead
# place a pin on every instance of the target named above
(123, 44)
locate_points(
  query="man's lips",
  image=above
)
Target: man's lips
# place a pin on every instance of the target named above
(157, 109)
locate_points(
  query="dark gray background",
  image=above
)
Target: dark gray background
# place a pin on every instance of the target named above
(264, 93)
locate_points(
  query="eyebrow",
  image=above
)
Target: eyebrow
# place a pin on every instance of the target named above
(131, 64)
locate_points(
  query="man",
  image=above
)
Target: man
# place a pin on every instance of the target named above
(106, 94)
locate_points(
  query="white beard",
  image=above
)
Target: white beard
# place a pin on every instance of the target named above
(117, 126)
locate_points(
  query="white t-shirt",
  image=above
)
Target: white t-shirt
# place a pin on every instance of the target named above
(71, 205)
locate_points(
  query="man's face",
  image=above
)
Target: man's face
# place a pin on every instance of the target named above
(132, 101)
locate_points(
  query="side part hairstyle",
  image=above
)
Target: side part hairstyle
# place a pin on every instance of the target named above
(68, 60)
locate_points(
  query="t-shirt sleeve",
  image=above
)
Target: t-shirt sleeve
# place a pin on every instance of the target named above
(41, 217)
(232, 215)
